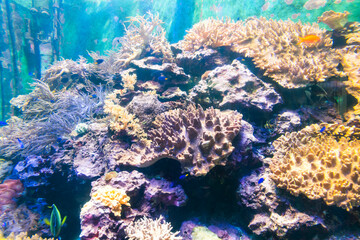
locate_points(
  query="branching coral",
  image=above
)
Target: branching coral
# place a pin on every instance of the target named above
(147, 229)
(273, 47)
(319, 165)
(113, 198)
(121, 119)
(144, 35)
(333, 19)
(198, 139)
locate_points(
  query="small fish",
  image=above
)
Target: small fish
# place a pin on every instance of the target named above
(261, 180)
(309, 39)
(93, 96)
(322, 129)
(162, 78)
(98, 61)
(55, 221)
(3, 123)
(21, 144)
(241, 59)
(183, 176)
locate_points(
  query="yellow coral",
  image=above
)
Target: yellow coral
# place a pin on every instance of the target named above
(273, 47)
(129, 81)
(22, 236)
(318, 165)
(351, 64)
(113, 198)
(121, 119)
(333, 19)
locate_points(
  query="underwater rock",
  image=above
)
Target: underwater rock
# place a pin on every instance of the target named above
(146, 107)
(34, 171)
(89, 161)
(173, 94)
(287, 121)
(236, 86)
(285, 223)
(200, 61)
(274, 214)
(147, 198)
(165, 73)
(223, 231)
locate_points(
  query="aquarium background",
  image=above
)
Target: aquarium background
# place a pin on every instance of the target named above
(69, 29)
(84, 141)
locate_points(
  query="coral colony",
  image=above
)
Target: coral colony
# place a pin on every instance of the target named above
(238, 130)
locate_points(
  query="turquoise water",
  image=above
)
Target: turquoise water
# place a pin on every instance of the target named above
(190, 119)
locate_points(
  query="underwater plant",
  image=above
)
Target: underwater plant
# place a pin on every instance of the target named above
(46, 116)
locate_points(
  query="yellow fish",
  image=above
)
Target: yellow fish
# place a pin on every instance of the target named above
(309, 39)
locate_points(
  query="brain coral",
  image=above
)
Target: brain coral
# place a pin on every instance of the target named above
(198, 139)
(113, 198)
(273, 47)
(319, 165)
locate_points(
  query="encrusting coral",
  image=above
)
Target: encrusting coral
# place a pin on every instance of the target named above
(113, 198)
(334, 20)
(273, 46)
(147, 229)
(198, 139)
(320, 164)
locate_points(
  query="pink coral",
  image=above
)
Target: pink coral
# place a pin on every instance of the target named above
(9, 189)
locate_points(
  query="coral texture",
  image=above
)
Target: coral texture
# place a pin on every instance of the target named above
(273, 47)
(238, 86)
(318, 165)
(333, 19)
(198, 139)
(147, 229)
(113, 198)
(351, 63)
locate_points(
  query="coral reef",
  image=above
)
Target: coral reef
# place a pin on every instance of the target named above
(318, 165)
(334, 20)
(273, 47)
(198, 139)
(112, 197)
(98, 221)
(237, 86)
(147, 228)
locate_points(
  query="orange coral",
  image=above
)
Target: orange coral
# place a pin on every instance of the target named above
(113, 198)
